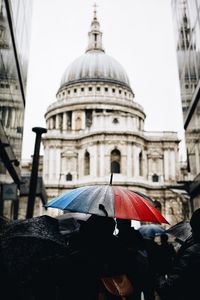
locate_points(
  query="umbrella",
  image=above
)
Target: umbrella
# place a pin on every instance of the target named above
(181, 230)
(28, 245)
(146, 197)
(108, 200)
(151, 230)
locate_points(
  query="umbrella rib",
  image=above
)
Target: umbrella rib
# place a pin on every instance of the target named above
(151, 208)
(94, 196)
(87, 208)
(103, 198)
(98, 196)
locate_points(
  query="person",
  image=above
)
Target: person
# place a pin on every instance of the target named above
(152, 249)
(139, 265)
(183, 280)
(167, 255)
(96, 253)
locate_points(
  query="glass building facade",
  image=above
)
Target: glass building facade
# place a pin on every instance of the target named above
(186, 16)
(15, 26)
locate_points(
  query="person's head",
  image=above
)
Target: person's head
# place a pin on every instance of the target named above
(123, 225)
(195, 223)
(163, 238)
(97, 225)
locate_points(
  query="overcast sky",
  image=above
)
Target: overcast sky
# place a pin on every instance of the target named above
(137, 33)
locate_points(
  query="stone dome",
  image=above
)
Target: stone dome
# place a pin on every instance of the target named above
(95, 65)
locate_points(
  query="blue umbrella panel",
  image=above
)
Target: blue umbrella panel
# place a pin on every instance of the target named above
(151, 230)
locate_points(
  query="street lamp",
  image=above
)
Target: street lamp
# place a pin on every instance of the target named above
(34, 172)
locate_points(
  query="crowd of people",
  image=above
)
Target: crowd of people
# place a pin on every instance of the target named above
(154, 269)
(108, 259)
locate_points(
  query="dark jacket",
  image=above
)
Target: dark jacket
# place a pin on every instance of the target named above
(183, 282)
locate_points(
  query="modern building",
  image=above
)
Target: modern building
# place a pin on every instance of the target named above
(96, 127)
(15, 23)
(186, 16)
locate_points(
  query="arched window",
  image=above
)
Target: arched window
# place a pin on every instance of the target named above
(88, 117)
(87, 163)
(155, 178)
(140, 164)
(69, 120)
(69, 177)
(115, 159)
(158, 205)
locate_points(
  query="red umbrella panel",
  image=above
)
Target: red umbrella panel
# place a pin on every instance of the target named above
(108, 200)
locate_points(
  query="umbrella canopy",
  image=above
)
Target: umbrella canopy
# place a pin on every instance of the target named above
(182, 230)
(28, 245)
(108, 200)
(32, 251)
(151, 230)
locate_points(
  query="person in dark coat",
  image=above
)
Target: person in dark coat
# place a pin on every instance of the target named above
(167, 255)
(96, 253)
(134, 242)
(152, 249)
(183, 280)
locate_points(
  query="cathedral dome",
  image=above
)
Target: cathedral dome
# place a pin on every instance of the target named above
(95, 65)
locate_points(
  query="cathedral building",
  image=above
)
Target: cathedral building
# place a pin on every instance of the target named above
(96, 128)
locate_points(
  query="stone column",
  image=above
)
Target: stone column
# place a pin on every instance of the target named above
(51, 166)
(98, 159)
(166, 164)
(81, 163)
(57, 163)
(129, 161)
(123, 167)
(145, 168)
(74, 166)
(83, 121)
(197, 158)
(161, 169)
(57, 121)
(172, 164)
(107, 163)
(93, 160)
(149, 169)
(133, 160)
(46, 164)
(101, 160)
(64, 121)
(136, 161)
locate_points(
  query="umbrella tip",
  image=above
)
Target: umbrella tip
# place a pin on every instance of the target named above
(111, 178)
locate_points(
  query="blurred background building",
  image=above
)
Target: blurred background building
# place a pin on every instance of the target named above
(15, 32)
(186, 16)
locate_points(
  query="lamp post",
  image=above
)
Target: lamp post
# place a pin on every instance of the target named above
(34, 172)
